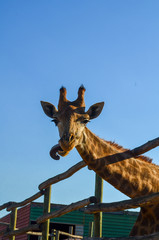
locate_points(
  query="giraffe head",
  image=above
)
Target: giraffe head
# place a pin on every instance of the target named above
(71, 120)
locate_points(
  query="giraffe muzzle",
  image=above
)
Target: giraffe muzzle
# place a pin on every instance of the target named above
(67, 142)
(67, 138)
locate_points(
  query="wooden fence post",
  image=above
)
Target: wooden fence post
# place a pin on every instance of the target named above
(98, 216)
(46, 209)
(13, 222)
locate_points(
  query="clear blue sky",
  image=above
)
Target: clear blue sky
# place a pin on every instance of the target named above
(110, 46)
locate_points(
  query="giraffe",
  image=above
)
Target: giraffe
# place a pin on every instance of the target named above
(134, 177)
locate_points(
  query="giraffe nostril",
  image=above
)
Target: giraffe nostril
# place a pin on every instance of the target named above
(68, 137)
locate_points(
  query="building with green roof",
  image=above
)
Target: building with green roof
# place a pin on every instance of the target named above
(77, 222)
(114, 224)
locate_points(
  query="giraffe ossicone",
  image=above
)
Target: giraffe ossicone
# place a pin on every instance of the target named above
(134, 177)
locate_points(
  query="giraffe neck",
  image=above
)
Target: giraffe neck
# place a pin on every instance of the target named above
(133, 177)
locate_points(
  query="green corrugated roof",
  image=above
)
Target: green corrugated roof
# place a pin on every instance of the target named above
(117, 225)
(114, 224)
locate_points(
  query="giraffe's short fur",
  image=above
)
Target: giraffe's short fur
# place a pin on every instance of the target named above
(134, 177)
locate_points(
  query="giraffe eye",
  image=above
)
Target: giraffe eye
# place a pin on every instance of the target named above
(56, 121)
(85, 121)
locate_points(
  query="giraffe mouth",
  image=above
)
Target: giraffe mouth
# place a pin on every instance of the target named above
(56, 151)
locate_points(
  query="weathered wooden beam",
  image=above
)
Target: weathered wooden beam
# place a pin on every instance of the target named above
(46, 210)
(70, 235)
(154, 236)
(118, 157)
(98, 216)
(26, 201)
(66, 209)
(13, 222)
(23, 230)
(56, 233)
(6, 205)
(145, 147)
(122, 205)
(62, 176)
(34, 233)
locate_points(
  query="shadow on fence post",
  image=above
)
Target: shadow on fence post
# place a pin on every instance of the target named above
(45, 225)
(98, 216)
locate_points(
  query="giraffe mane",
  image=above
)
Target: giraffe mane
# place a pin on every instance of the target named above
(141, 157)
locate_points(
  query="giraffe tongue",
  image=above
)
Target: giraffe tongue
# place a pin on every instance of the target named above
(54, 150)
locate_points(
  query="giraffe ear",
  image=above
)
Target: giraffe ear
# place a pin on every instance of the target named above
(95, 110)
(49, 109)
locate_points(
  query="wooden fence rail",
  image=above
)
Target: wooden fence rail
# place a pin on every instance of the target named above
(6, 205)
(11, 205)
(26, 201)
(56, 234)
(45, 189)
(62, 176)
(23, 230)
(123, 205)
(67, 209)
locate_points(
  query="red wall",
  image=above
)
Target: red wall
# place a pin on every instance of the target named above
(23, 220)
(7, 220)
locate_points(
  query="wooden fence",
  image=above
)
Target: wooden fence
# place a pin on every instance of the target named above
(42, 223)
